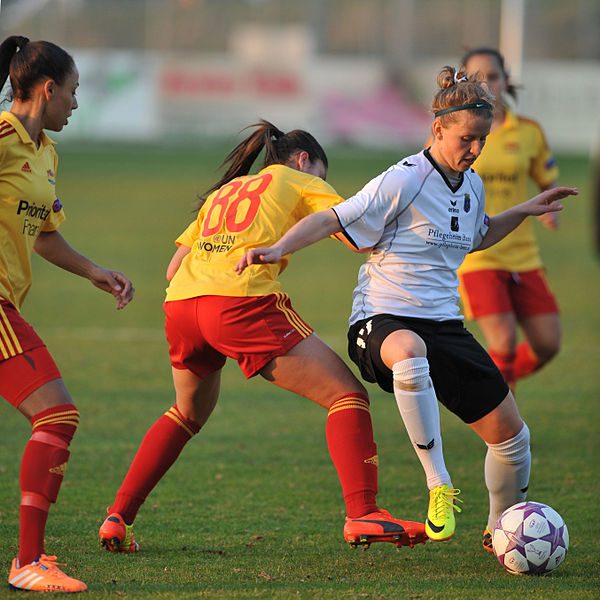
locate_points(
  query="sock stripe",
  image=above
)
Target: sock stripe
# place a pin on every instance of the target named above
(173, 414)
(349, 402)
(67, 417)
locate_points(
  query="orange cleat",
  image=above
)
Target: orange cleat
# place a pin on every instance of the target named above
(42, 575)
(380, 526)
(486, 542)
(116, 535)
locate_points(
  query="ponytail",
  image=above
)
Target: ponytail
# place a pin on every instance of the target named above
(26, 63)
(279, 148)
(459, 91)
(8, 48)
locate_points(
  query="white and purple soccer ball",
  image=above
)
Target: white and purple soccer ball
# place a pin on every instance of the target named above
(530, 538)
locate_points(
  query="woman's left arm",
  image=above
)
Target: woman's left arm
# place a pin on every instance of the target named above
(53, 247)
(503, 223)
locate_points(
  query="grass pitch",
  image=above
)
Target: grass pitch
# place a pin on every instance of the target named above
(253, 507)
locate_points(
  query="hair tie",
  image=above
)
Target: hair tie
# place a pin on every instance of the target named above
(21, 43)
(458, 79)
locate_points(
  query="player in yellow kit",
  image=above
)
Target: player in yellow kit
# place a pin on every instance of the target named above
(504, 287)
(213, 313)
(43, 79)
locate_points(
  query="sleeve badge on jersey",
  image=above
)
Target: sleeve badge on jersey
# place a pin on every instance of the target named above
(56, 206)
(486, 220)
(467, 204)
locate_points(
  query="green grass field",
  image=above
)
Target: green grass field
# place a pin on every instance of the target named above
(253, 507)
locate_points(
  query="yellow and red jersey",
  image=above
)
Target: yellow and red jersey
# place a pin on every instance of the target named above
(513, 153)
(248, 212)
(28, 203)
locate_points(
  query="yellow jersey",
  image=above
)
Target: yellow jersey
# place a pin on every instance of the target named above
(248, 212)
(28, 203)
(513, 153)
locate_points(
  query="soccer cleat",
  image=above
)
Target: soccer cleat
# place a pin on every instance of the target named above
(116, 535)
(440, 521)
(42, 575)
(486, 542)
(380, 526)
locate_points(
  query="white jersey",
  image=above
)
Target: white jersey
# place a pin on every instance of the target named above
(420, 228)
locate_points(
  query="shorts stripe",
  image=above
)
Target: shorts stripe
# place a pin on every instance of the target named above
(348, 402)
(9, 343)
(67, 417)
(172, 414)
(290, 315)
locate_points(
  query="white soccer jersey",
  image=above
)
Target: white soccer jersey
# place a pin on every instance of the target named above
(420, 229)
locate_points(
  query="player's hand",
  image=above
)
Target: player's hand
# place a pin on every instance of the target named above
(548, 201)
(257, 256)
(549, 220)
(115, 283)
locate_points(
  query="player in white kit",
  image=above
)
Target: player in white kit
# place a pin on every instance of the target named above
(419, 219)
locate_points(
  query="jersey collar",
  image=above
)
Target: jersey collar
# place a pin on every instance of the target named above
(45, 139)
(441, 171)
(510, 119)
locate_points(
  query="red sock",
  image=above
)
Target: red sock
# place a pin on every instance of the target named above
(42, 470)
(353, 452)
(526, 362)
(158, 451)
(506, 364)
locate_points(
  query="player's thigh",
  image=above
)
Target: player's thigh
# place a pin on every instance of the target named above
(313, 370)
(50, 394)
(501, 424)
(196, 397)
(500, 332)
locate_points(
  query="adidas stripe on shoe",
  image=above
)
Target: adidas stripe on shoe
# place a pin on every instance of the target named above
(43, 575)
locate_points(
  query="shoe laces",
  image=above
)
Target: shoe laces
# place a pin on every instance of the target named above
(50, 563)
(445, 499)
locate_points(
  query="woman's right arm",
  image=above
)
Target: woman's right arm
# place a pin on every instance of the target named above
(305, 232)
(175, 263)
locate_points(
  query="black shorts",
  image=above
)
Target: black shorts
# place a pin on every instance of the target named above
(465, 379)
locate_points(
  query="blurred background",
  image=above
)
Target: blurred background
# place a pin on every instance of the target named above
(350, 71)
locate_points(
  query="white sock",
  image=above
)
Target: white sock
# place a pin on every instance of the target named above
(419, 409)
(507, 467)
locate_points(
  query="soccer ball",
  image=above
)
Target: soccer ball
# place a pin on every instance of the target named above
(530, 538)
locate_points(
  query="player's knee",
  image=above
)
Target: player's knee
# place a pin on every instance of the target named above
(547, 351)
(514, 450)
(402, 345)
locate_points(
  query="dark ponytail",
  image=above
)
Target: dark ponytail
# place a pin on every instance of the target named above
(27, 63)
(279, 148)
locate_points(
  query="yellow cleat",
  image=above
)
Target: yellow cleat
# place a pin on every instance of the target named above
(440, 522)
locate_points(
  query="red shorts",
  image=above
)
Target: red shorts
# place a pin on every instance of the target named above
(492, 292)
(25, 363)
(203, 331)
